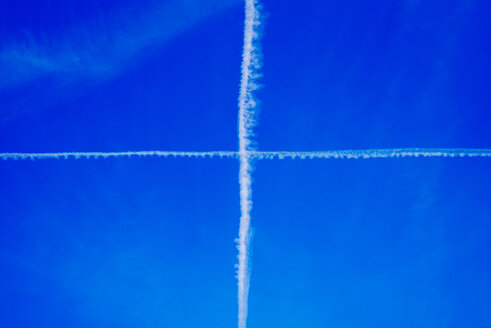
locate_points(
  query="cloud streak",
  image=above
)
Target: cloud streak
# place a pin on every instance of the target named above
(251, 64)
(87, 53)
(102, 47)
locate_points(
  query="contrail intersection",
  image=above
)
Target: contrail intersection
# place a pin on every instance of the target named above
(247, 154)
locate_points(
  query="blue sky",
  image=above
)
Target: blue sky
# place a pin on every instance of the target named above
(149, 242)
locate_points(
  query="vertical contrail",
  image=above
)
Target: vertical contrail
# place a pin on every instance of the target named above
(250, 72)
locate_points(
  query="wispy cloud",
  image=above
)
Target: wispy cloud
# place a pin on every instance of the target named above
(103, 47)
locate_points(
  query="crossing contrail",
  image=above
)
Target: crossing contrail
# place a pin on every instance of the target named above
(157, 153)
(36, 63)
(267, 155)
(251, 64)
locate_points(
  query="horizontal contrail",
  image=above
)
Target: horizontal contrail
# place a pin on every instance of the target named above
(374, 153)
(156, 153)
(329, 154)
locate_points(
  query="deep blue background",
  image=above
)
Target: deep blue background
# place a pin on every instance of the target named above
(149, 242)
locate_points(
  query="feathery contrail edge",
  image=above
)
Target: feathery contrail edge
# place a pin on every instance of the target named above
(374, 153)
(267, 155)
(87, 155)
(251, 65)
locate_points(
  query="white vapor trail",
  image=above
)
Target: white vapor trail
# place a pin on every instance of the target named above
(268, 155)
(251, 64)
(157, 153)
(374, 153)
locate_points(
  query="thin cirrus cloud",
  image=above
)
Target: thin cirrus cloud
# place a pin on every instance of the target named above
(102, 47)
